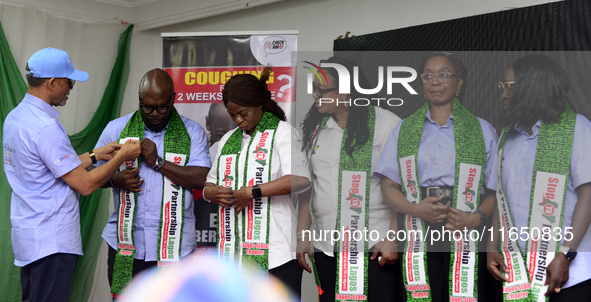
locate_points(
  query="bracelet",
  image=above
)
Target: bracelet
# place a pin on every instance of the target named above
(92, 156)
(111, 183)
(204, 198)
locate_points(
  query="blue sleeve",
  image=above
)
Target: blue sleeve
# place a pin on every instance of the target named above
(110, 134)
(199, 155)
(490, 168)
(580, 164)
(55, 150)
(388, 164)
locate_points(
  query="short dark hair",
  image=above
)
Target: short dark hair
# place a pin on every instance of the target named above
(540, 88)
(34, 82)
(458, 65)
(247, 90)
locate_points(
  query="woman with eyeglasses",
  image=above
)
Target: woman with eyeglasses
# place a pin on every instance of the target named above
(437, 163)
(343, 144)
(544, 184)
(257, 167)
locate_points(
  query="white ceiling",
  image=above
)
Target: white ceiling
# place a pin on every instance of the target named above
(145, 14)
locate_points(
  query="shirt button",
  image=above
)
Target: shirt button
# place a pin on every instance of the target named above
(149, 190)
(150, 171)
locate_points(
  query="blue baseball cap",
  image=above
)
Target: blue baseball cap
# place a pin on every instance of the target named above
(54, 63)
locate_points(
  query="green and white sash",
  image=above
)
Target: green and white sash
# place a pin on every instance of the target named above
(177, 147)
(548, 194)
(469, 175)
(352, 214)
(250, 247)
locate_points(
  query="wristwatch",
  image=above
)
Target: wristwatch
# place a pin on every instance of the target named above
(570, 253)
(158, 163)
(482, 216)
(256, 192)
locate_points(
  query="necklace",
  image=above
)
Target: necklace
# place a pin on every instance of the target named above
(341, 123)
(429, 153)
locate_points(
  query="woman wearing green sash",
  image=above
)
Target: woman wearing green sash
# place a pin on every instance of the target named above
(437, 163)
(544, 182)
(344, 142)
(257, 167)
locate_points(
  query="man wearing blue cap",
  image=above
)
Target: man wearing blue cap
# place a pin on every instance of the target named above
(46, 174)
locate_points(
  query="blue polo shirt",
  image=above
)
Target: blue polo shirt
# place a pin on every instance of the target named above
(149, 201)
(440, 142)
(44, 209)
(519, 154)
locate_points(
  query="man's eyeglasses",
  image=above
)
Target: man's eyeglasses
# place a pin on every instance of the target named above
(162, 109)
(443, 77)
(507, 86)
(319, 92)
(70, 82)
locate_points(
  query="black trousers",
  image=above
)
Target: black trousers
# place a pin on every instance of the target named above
(138, 265)
(290, 274)
(578, 292)
(384, 282)
(49, 278)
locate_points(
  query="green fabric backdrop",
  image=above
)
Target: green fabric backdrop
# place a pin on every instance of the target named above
(94, 208)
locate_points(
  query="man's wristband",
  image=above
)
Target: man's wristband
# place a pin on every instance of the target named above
(92, 156)
(204, 198)
(111, 183)
(482, 216)
(256, 192)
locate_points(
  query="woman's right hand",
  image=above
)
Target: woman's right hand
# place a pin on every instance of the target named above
(431, 209)
(496, 266)
(220, 195)
(304, 247)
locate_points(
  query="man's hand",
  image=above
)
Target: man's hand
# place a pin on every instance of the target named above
(220, 195)
(557, 273)
(149, 151)
(495, 263)
(128, 179)
(431, 209)
(107, 151)
(460, 220)
(304, 248)
(242, 198)
(131, 150)
(388, 250)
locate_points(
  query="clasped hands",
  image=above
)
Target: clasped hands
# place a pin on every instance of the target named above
(239, 199)
(431, 209)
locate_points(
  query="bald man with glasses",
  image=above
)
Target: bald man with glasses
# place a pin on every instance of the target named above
(153, 222)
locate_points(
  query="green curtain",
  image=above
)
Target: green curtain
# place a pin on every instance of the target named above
(12, 91)
(94, 208)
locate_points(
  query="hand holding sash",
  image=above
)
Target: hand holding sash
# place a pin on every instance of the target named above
(128, 179)
(149, 151)
(557, 273)
(430, 209)
(495, 264)
(108, 151)
(220, 195)
(130, 150)
(460, 220)
(242, 198)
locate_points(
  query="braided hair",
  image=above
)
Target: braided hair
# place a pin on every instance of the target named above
(357, 128)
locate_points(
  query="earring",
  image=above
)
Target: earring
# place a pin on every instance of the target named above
(458, 92)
